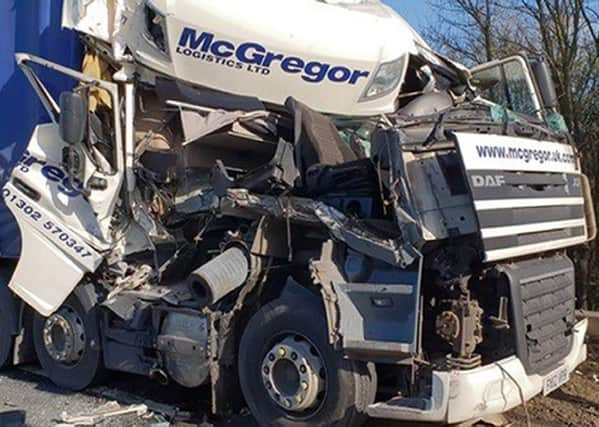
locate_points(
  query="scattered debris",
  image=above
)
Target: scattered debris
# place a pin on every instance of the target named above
(104, 412)
(168, 411)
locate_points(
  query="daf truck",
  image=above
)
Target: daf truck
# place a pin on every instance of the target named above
(302, 206)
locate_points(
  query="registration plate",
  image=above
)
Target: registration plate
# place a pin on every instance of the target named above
(555, 380)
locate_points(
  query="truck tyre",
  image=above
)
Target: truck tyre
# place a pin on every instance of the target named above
(6, 340)
(68, 343)
(291, 376)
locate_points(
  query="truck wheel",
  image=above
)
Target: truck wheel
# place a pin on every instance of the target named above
(6, 341)
(291, 376)
(68, 343)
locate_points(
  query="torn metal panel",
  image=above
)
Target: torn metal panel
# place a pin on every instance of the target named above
(361, 240)
(441, 200)
(198, 124)
(240, 202)
(325, 273)
(93, 17)
(388, 149)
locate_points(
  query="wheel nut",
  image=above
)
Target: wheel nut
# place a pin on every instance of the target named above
(299, 398)
(271, 357)
(304, 385)
(266, 370)
(282, 351)
(288, 403)
(269, 385)
(293, 356)
(303, 369)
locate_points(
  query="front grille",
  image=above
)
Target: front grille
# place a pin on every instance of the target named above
(543, 305)
(529, 195)
(527, 213)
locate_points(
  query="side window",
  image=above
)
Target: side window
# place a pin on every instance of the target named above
(521, 97)
(508, 83)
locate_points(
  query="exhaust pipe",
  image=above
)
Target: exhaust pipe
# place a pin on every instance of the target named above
(220, 276)
(159, 376)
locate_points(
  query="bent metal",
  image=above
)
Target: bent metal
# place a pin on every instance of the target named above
(254, 57)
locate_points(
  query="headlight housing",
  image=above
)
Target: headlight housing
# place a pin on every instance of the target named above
(386, 79)
(155, 28)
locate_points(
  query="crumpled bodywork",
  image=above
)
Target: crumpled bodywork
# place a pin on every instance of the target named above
(271, 58)
(226, 188)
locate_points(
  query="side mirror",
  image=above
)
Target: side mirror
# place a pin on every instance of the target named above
(542, 74)
(73, 117)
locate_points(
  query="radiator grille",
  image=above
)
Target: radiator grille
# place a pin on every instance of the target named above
(528, 213)
(543, 306)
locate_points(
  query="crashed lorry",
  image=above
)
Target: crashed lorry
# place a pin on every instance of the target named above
(322, 222)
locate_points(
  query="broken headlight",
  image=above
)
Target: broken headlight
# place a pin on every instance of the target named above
(386, 80)
(155, 28)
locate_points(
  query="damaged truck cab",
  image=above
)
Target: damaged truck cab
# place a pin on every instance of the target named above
(318, 234)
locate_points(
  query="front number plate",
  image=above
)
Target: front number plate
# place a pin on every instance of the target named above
(555, 380)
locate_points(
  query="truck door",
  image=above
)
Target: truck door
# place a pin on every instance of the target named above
(64, 191)
(510, 83)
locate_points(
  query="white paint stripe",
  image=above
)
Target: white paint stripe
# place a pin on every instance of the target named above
(489, 233)
(517, 251)
(487, 205)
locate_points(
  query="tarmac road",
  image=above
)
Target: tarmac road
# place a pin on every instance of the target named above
(576, 404)
(44, 402)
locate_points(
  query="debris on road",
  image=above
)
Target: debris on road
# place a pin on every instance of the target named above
(109, 410)
(169, 412)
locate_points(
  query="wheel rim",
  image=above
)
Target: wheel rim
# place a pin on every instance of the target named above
(64, 336)
(293, 374)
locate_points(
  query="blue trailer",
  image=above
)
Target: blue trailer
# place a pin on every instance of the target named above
(32, 26)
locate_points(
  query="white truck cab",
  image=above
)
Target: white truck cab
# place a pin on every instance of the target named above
(345, 57)
(297, 202)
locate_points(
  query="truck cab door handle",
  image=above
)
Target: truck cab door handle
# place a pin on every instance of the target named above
(26, 189)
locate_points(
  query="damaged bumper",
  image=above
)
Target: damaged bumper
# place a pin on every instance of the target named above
(459, 396)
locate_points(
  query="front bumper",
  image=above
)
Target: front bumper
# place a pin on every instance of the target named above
(459, 396)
